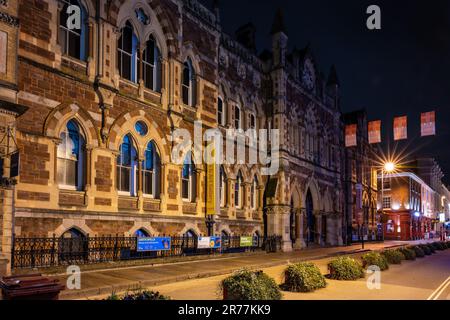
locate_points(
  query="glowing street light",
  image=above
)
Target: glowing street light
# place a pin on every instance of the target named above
(389, 167)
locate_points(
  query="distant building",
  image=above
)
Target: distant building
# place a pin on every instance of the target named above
(360, 185)
(412, 201)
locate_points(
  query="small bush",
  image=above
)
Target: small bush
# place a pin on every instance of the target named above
(345, 268)
(393, 256)
(425, 249)
(139, 295)
(429, 245)
(375, 259)
(303, 277)
(438, 246)
(250, 285)
(446, 244)
(409, 254)
(419, 251)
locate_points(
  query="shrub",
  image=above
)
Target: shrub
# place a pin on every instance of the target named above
(375, 259)
(425, 249)
(446, 244)
(409, 254)
(303, 277)
(429, 245)
(393, 256)
(438, 246)
(250, 285)
(345, 268)
(139, 295)
(419, 251)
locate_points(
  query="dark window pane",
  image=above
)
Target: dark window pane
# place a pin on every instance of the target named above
(185, 188)
(185, 95)
(126, 66)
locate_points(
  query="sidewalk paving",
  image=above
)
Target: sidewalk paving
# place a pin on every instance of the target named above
(106, 281)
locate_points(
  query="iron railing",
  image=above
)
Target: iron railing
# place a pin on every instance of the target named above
(54, 251)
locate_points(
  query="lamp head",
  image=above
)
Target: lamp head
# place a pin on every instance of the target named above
(389, 167)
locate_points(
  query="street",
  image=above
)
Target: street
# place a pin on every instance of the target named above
(200, 279)
(412, 280)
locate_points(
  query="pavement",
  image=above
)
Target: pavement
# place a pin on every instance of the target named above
(100, 283)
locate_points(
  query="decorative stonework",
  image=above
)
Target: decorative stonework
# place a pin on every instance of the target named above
(8, 19)
(3, 48)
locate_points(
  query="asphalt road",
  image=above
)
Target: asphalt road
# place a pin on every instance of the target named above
(422, 279)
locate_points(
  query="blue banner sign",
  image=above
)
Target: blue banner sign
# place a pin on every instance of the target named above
(153, 244)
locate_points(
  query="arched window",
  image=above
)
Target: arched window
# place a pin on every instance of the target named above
(141, 233)
(127, 47)
(73, 234)
(151, 172)
(188, 88)
(127, 167)
(151, 65)
(254, 193)
(188, 179)
(237, 118)
(221, 112)
(223, 187)
(73, 36)
(238, 191)
(71, 157)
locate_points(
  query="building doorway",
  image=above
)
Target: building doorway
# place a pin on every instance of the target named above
(311, 221)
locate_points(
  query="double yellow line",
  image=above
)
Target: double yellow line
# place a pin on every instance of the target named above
(435, 295)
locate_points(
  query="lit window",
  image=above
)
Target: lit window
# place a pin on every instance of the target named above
(188, 84)
(151, 169)
(127, 167)
(386, 202)
(73, 41)
(188, 179)
(71, 157)
(127, 53)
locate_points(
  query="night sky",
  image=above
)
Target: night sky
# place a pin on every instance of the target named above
(402, 69)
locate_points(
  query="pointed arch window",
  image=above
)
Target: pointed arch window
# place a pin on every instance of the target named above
(71, 157)
(127, 48)
(221, 112)
(239, 191)
(223, 187)
(237, 118)
(188, 179)
(188, 88)
(151, 65)
(141, 233)
(151, 172)
(73, 37)
(127, 167)
(254, 193)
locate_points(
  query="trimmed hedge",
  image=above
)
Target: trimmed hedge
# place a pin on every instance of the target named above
(375, 259)
(393, 256)
(426, 249)
(438, 246)
(250, 285)
(139, 295)
(419, 251)
(429, 245)
(303, 277)
(345, 268)
(408, 253)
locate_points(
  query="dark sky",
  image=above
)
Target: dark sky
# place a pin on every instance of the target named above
(402, 69)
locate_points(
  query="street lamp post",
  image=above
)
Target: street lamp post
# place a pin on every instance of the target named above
(388, 167)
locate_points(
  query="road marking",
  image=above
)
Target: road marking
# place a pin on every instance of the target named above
(435, 295)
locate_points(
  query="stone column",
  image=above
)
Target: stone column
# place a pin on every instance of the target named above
(6, 217)
(300, 240)
(278, 224)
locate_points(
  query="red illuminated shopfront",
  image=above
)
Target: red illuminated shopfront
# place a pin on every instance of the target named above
(406, 226)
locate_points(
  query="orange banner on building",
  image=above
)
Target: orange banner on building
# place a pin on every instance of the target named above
(374, 131)
(401, 128)
(428, 123)
(350, 135)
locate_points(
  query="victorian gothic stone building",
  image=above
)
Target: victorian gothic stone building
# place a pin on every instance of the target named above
(104, 98)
